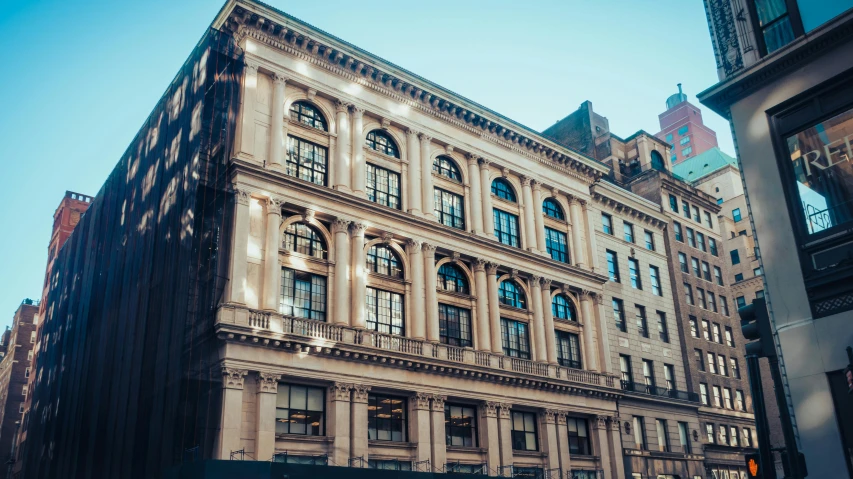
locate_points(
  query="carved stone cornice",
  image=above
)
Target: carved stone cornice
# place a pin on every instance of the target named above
(233, 378)
(627, 210)
(268, 382)
(421, 401)
(360, 392)
(438, 403)
(340, 391)
(489, 409)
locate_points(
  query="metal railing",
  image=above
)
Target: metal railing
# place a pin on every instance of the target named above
(659, 391)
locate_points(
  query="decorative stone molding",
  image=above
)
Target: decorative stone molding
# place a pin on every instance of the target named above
(484, 165)
(357, 110)
(546, 283)
(311, 94)
(555, 192)
(472, 160)
(505, 172)
(268, 382)
(278, 78)
(425, 138)
(535, 279)
(233, 378)
(252, 67)
(537, 186)
(241, 195)
(513, 274)
(341, 106)
(428, 249)
(525, 180)
(421, 400)
(340, 391)
(413, 245)
(492, 268)
(360, 392)
(627, 210)
(387, 237)
(561, 418)
(480, 264)
(274, 205)
(308, 215)
(456, 257)
(438, 402)
(411, 134)
(340, 225)
(489, 409)
(386, 123)
(600, 422)
(448, 149)
(587, 295)
(504, 410)
(613, 422)
(358, 228)
(550, 416)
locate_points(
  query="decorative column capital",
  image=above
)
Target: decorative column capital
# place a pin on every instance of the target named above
(489, 409)
(252, 67)
(274, 204)
(525, 181)
(480, 264)
(550, 416)
(242, 196)
(357, 111)
(421, 401)
(484, 164)
(358, 228)
(413, 245)
(233, 378)
(438, 402)
(599, 422)
(471, 159)
(412, 134)
(492, 268)
(546, 284)
(340, 225)
(340, 391)
(537, 187)
(535, 280)
(586, 295)
(561, 417)
(360, 392)
(613, 421)
(428, 249)
(424, 138)
(341, 106)
(268, 382)
(504, 410)
(573, 200)
(279, 79)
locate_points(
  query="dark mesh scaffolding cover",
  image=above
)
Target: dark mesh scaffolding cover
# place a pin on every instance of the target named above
(124, 382)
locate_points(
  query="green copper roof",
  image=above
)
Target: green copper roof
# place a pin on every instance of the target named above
(703, 164)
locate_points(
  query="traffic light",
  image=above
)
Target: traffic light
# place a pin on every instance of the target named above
(753, 466)
(755, 323)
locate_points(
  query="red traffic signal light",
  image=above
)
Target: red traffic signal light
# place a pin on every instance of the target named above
(755, 324)
(753, 466)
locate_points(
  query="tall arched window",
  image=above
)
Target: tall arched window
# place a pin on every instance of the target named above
(657, 161)
(301, 238)
(446, 167)
(382, 260)
(308, 114)
(502, 189)
(452, 278)
(562, 308)
(511, 295)
(382, 142)
(553, 209)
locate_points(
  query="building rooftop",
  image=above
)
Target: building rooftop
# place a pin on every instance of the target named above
(703, 164)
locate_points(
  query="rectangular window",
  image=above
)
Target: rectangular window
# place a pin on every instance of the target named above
(706, 271)
(682, 260)
(686, 151)
(677, 228)
(27, 373)
(712, 363)
(708, 220)
(738, 277)
(727, 398)
(306, 161)
(386, 418)
(669, 140)
(685, 208)
(673, 203)
(684, 140)
(741, 301)
(717, 338)
(735, 256)
(663, 331)
(25, 390)
(688, 294)
(729, 338)
(642, 326)
(691, 238)
(303, 295)
(649, 373)
(683, 130)
(663, 440)
(712, 246)
(449, 209)
(524, 431)
(695, 264)
(515, 339)
(723, 436)
(724, 305)
(625, 369)
(639, 433)
(703, 394)
(568, 350)
(736, 215)
(613, 266)
(773, 25)
(706, 329)
(700, 293)
(388, 464)
(759, 293)
(684, 437)
(634, 272)
(300, 410)
(700, 241)
(557, 245)
(606, 223)
(718, 275)
(385, 312)
(735, 369)
(654, 275)
(699, 358)
(650, 240)
(756, 272)
(718, 400)
(739, 404)
(506, 227)
(628, 230)
(33, 333)
(383, 187)
(709, 432)
(695, 210)
(579, 442)
(669, 376)
(746, 434)
(460, 425)
(694, 328)
(619, 315)
(712, 302)
(454, 325)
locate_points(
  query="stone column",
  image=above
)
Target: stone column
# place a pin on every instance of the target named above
(550, 446)
(232, 411)
(414, 157)
(591, 250)
(417, 321)
(356, 172)
(439, 441)
(359, 271)
(419, 426)
(427, 190)
(576, 217)
(494, 308)
(539, 218)
(602, 444)
(342, 148)
(272, 267)
(246, 125)
(505, 429)
(486, 189)
(481, 281)
(430, 295)
(239, 258)
(340, 228)
(278, 133)
(616, 447)
(548, 316)
(539, 348)
(529, 221)
(589, 329)
(604, 360)
(265, 440)
(358, 421)
(475, 197)
(489, 434)
(339, 422)
(563, 441)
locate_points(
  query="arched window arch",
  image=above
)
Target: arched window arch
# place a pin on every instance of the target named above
(510, 294)
(302, 238)
(308, 114)
(382, 142)
(553, 209)
(446, 167)
(452, 278)
(562, 308)
(657, 161)
(502, 189)
(383, 260)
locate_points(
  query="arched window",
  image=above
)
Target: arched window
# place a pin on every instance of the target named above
(562, 308)
(657, 161)
(553, 209)
(382, 260)
(308, 114)
(445, 166)
(511, 295)
(380, 141)
(301, 238)
(452, 278)
(502, 189)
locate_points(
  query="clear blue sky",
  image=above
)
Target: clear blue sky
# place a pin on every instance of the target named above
(80, 77)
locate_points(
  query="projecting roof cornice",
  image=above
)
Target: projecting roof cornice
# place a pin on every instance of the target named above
(628, 204)
(277, 29)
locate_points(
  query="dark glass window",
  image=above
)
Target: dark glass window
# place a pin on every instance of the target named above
(691, 238)
(308, 114)
(449, 209)
(628, 230)
(682, 260)
(699, 357)
(303, 295)
(700, 241)
(382, 260)
(654, 274)
(735, 256)
(460, 425)
(663, 331)
(579, 442)
(556, 245)
(553, 209)
(684, 437)
(568, 350)
(706, 271)
(301, 238)
(502, 189)
(524, 431)
(634, 272)
(642, 323)
(694, 327)
(306, 161)
(729, 339)
(389, 464)
(678, 234)
(385, 312)
(708, 219)
(562, 308)
(446, 167)
(514, 339)
(712, 246)
(613, 266)
(774, 23)
(619, 315)
(386, 418)
(511, 295)
(383, 186)
(650, 240)
(380, 141)
(606, 223)
(506, 227)
(718, 275)
(300, 410)
(625, 369)
(454, 325)
(452, 278)
(663, 437)
(639, 433)
(673, 203)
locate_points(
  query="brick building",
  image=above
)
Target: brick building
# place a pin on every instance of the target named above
(682, 127)
(15, 374)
